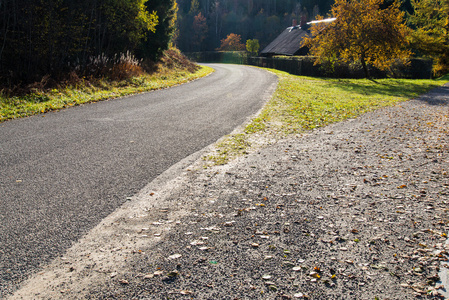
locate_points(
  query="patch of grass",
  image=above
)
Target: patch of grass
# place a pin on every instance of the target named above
(228, 148)
(304, 103)
(84, 91)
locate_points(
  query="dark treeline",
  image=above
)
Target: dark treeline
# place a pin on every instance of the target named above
(54, 37)
(204, 23)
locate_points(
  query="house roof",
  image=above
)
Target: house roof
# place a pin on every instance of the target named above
(287, 43)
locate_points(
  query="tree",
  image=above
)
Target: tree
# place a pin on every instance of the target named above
(156, 42)
(252, 46)
(200, 31)
(233, 42)
(431, 37)
(362, 33)
(51, 37)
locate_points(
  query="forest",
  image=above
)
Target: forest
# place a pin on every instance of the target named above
(204, 23)
(55, 37)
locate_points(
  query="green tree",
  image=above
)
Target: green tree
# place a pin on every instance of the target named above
(158, 41)
(362, 33)
(252, 46)
(431, 37)
(52, 37)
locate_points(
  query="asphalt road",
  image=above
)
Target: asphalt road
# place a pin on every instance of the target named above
(62, 172)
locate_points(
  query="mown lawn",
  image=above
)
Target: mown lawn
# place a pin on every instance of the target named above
(303, 103)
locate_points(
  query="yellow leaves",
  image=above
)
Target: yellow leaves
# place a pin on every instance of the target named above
(362, 32)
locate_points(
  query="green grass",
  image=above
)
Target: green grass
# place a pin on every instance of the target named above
(85, 92)
(304, 103)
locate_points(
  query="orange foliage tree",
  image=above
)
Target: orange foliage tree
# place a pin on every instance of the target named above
(233, 42)
(363, 32)
(200, 31)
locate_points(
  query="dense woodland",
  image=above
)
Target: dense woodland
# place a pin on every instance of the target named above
(204, 23)
(55, 37)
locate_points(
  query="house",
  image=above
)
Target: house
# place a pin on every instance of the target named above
(289, 41)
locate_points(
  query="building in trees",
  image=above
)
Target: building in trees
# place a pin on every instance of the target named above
(290, 41)
(364, 32)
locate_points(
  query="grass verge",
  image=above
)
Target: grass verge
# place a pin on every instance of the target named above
(85, 91)
(304, 103)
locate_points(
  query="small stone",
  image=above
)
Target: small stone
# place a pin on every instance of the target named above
(186, 292)
(175, 256)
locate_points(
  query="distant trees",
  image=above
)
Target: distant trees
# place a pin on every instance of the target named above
(199, 31)
(233, 42)
(251, 19)
(363, 32)
(431, 35)
(52, 37)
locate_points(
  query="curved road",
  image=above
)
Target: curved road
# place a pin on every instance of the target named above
(61, 173)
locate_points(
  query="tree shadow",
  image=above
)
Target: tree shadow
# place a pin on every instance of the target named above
(432, 93)
(438, 96)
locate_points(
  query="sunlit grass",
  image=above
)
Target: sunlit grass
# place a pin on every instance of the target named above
(304, 103)
(85, 92)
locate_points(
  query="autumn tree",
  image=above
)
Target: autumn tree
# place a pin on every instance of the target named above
(233, 42)
(431, 37)
(252, 46)
(200, 31)
(362, 33)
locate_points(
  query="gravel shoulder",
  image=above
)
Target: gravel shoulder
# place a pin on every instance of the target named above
(354, 210)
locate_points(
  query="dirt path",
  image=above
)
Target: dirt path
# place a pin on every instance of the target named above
(356, 210)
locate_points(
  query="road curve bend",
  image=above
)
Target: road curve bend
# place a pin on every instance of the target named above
(62, 172)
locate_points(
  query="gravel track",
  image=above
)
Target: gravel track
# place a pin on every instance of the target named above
(355, 210)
